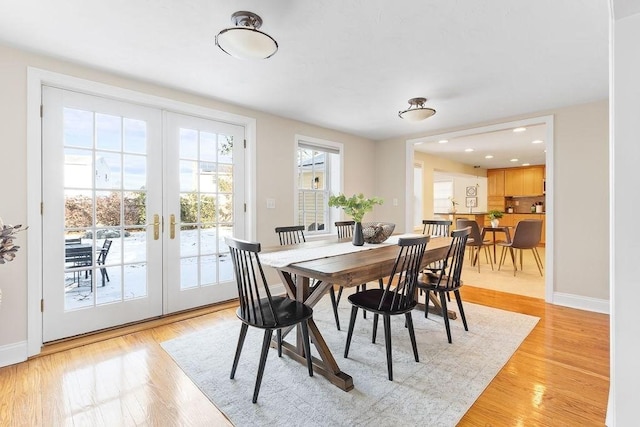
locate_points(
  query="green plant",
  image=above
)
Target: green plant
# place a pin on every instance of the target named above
(355, 206)
(495, 214)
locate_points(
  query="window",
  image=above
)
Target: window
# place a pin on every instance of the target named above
(442, 195)
(318, 166)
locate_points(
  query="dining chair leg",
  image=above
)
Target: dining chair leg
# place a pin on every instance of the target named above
(387, 343)
(263, 361)
(339, 295)
(352, 322)
(536, 256)
(307, 346)
(334, 304)
(427, 294)
(459, 301)
(443, 302)
(412, 335)
(487, 255)
(279, 339)
(364, 312)
(375, 328)
(243, 334)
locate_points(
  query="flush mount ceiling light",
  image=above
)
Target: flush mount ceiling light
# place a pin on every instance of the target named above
(416, 111)
(244, 41)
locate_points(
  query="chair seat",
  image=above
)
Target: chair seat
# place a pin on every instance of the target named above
(432, 282)
(370, 300)
(288, 311)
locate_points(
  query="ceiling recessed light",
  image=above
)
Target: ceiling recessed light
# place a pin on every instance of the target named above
(537, 141)
(468, 150)
(443, 141)
(488, 156)
(513, 160)
(525, 164)
(519, 129)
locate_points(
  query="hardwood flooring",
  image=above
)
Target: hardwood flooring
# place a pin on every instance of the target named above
(558, 376)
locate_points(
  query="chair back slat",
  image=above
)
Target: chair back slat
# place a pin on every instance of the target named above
(291, 235)
(449, 277)
(401, 285)
(527, 235)
(256, 303)
(436, 227)
(345, 229)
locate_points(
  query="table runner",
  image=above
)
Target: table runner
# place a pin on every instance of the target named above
(279, 259)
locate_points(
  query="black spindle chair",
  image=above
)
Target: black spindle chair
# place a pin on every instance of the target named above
(290, 235)
(258, 308)
(448, 280)
(398, 297)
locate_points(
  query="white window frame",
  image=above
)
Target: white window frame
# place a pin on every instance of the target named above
(334, 182)
(442, 204)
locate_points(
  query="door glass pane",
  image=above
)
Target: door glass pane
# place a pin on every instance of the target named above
(135, 281)
(108, 132)
(78, 168)
(135, 172)
(108, 171)
(78, 128)
(135, 136)
(206, 203)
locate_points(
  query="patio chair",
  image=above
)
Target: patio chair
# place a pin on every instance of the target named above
(261, 310)
(102, 257)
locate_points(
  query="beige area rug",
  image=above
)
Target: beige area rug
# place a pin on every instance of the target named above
(437, 391)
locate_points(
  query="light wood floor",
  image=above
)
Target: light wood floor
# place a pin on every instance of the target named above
(558, 376)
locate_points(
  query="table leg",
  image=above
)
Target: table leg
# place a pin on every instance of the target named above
(326, 365)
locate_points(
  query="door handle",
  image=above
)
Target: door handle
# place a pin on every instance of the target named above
(172, 226)
(156, 227)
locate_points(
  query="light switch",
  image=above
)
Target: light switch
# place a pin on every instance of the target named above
(271, 203)
(395, 202)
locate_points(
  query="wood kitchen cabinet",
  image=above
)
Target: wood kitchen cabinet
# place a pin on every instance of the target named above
(495, 182)
(514, 182)
(532, 181)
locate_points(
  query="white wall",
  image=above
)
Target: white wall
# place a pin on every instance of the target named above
(580, 171)
(625, 254)
(275, 154)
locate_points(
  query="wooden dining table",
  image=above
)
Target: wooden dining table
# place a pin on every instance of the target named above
(348, 270)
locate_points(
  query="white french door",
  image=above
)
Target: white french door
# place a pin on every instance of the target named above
(205, 202)
(136, 202)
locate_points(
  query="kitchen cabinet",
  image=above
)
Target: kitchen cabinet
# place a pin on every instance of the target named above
(532, 181)
(495, 182)
(513, 182)
(527, 181)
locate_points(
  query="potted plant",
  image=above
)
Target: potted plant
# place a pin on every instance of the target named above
(355, 207)
(7, 235)
(494, 216)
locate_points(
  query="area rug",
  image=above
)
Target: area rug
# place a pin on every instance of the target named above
(437, 391)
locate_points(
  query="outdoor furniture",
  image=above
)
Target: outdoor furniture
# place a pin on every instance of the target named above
(398, 297)
(102, 257)
(261, 310)
(448, 278)
(527, 236)
(78, 255)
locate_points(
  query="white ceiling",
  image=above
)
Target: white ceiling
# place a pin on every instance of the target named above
(504, 145)
(347, 65)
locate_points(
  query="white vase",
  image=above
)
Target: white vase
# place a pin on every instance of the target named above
(495, 222)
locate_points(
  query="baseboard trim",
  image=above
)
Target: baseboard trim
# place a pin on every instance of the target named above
(11, 354)
(583, 303)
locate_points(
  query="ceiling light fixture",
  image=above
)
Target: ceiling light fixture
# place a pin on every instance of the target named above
(526, 164)
(513, 160)
(416, 111)
(443, 141)
(519, 129)
(488, 156)
(468, 150)
(537, 141)
(244, 41)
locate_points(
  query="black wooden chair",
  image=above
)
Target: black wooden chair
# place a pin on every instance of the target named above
(436, 228)
(290, 235)
(398, 297)
(345, 230)
(261, 310)
(527, 236)
(448, 279)
(475, 242)
(102, 258)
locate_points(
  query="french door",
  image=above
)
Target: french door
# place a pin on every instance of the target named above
(136, 204)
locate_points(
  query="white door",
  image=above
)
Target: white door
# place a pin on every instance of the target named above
(134, 212)
(204, 203)
(102, 163)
